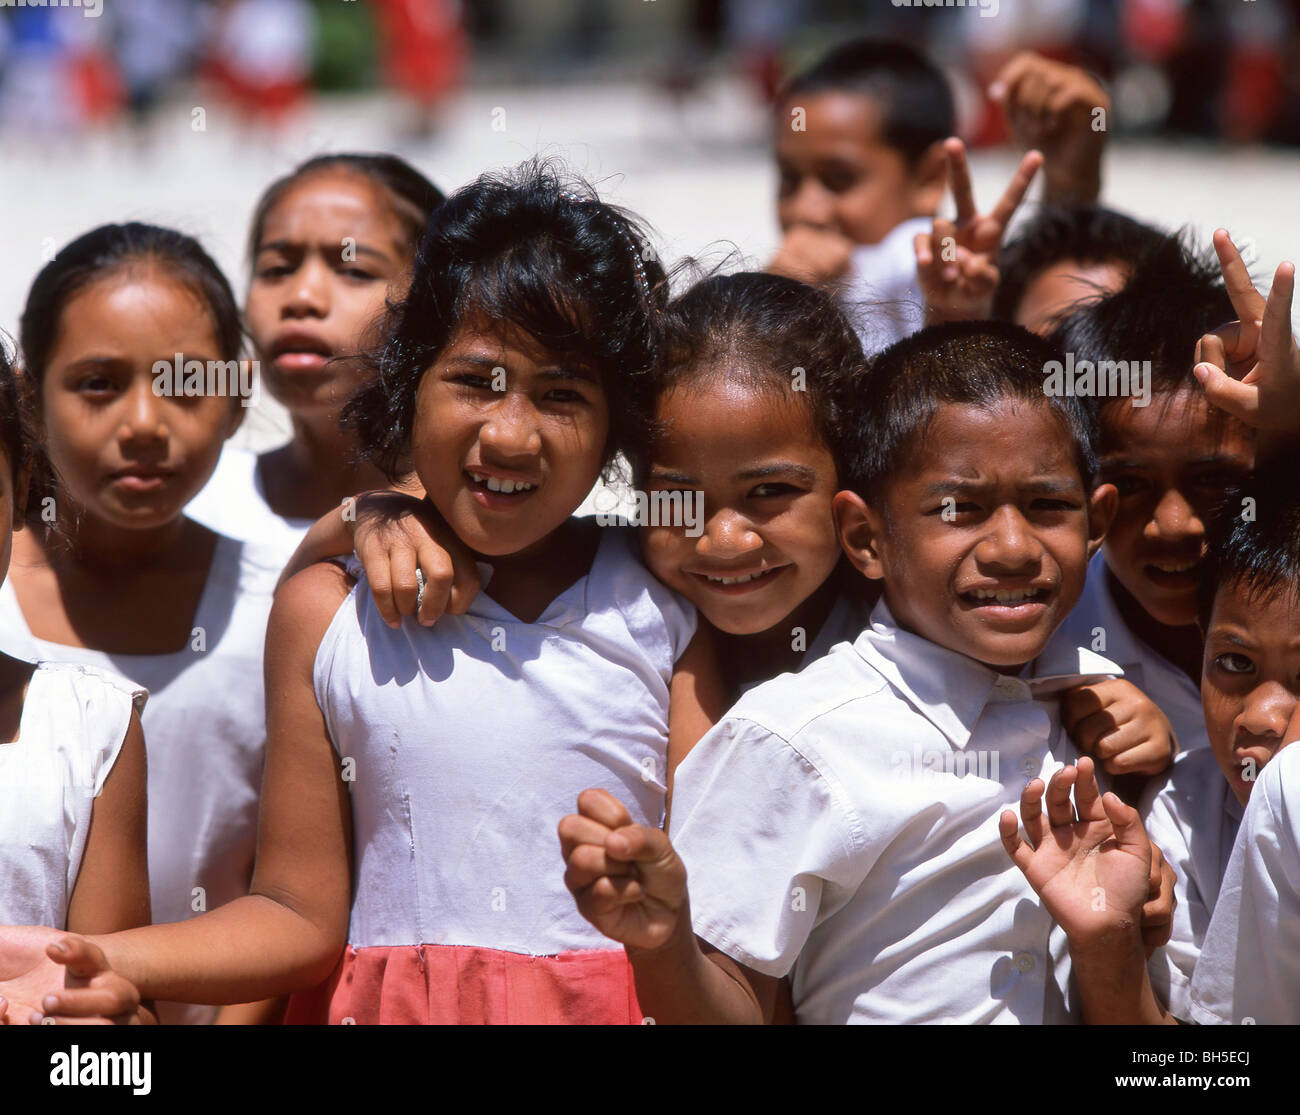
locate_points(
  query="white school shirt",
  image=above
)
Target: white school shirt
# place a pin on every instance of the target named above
(1172, 690)
(882, 297)
(233, 503)
(205, 737)
(71, 731)
(840, 826)
(471, 739)
(1249, 969)
(1192, 816)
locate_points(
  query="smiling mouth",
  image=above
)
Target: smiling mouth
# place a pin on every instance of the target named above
(745, 581)
(983, 597)
(1173, 567)
(497, 486)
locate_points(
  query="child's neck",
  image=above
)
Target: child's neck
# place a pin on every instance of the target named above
(748, 659)
(316, 471)
(94, 545)
(1180, 645)
(525, 583)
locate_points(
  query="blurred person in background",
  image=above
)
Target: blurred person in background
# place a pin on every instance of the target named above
(259, 55)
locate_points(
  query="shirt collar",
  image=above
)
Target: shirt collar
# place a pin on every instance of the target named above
(951, 689)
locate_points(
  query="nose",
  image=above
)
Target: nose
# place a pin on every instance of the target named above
(1267, 711)
(1174, 519)
(512, 428)
(144, 418)
(308, 292)
(728, 534)
(1009, 543)
(811, 204)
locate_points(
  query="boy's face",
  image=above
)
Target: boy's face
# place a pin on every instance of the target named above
(1055, 289)
(983, 539)
(838, 174)
(766, 480)
(1250, 679)
(1171, 469)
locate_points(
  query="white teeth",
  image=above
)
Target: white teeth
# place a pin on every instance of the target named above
(1006, 596)
(734, 580)
(1170, 567)
(506, 487)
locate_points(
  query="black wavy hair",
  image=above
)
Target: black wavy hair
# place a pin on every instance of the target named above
(914, 98)
(1058, 233)
(1255, 545)
(971, 362)
(111, 248)
(759, 330)
(534, 249)
(22, 449)
(416, 196)
(1174, 296)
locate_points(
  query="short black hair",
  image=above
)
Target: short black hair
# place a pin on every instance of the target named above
(767, 332)
(1058, 233)
(1174, 296)
(537, 249)
(1255, 544)
(915, 100)
(976, 363)
(417, 197)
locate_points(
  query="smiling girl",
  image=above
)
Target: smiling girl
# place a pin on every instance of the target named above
(120, 579)
(329, 243)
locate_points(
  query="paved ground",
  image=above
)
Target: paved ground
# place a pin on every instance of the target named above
(699, 174)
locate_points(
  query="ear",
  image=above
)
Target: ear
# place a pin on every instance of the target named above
(860, 530)
(929, 180)
(1102, 505)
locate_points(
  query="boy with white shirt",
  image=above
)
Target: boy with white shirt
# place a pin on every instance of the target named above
(1250, 690)
(841, 825)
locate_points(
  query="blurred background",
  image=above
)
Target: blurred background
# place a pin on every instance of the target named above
(181, 111)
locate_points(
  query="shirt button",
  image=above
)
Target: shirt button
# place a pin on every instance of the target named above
(1024, 962)
(1008, 687)
(1030, 766)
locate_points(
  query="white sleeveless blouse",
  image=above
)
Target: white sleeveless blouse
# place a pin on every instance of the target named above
(73, 724)
(464, 745)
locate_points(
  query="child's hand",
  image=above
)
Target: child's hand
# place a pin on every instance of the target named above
(627, 880)
(812, 255)
(956, 264)
(1120, 726)
(1053, 107)
(395, 534)
(1158, 913)
(49, 974)
(1251, 368)
(1094, 873)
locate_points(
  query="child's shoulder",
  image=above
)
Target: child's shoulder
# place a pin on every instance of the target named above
(90, 684)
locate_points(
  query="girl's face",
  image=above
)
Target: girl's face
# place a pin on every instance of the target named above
(768, 540)
(507, 441)
(125, 454)
(1171, 469)
(329, 249)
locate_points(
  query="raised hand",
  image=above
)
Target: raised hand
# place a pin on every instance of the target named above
(1251, 368)
(47, 974)
(626, 879)
(1092, 872)
(956, 263)
(1119, 726)
(1061, 111)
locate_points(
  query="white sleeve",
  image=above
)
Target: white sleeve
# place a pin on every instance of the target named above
(1249, 970)
(1171, 965)
(770, 843)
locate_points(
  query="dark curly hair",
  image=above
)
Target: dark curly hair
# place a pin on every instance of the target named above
(17, 438)
(532, 249)
(765, 332)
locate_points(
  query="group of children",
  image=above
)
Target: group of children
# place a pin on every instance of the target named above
(809, 731)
